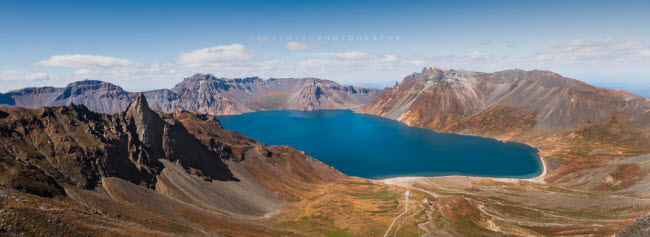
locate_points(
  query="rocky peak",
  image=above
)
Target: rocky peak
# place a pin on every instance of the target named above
(201, 76)
(433, 70)
(430, 73)
(81, 87)
(86, 83)
(92, 85)
(434, 73)
(147, 123)
(246, 80)
(139, 106)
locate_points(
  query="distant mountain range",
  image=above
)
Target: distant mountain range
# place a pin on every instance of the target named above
(202, 93)
(444, 100)
(476, 102)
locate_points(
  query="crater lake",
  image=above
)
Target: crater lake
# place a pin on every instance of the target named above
(374, 147)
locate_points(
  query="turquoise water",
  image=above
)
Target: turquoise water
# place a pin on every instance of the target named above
(374, 147)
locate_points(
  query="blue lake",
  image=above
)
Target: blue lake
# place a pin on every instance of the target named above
(374, 147)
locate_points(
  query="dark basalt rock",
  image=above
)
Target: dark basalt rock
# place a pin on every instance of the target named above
(34, 181)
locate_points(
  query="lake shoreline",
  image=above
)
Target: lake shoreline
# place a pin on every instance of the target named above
(536, 179)
(535, 176)
(400, 180)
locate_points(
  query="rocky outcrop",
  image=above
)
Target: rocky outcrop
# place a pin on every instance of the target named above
(185, 157)
(501, 102)
(640, 228)
(202, 93)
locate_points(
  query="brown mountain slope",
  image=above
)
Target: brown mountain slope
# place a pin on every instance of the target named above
(202, 93)
(185, 151)
(462, 101)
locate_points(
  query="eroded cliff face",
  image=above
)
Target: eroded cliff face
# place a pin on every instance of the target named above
(475, 102)
(99, 96)
(208, 94)
(202, 93)
(184, 157)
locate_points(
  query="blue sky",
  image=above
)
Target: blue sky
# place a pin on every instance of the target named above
(144, 45)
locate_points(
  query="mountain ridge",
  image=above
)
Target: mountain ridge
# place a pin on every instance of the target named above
(448, 100)
(203, 93)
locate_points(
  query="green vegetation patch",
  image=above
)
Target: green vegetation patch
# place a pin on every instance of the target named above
(380, 195)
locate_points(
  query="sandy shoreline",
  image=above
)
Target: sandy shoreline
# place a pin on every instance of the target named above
(401, 181)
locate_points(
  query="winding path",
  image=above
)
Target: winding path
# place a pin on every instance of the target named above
(405, 210)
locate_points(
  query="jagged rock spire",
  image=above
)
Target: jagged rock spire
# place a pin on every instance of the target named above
(139, 104)
(148, 124)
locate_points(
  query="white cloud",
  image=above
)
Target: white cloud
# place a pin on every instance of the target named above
(262, 39)
(315, 62)
(570, 56)
(389, 58)
(350, 67)
(84, 72)
(10, 75)
(418, 62)
(223, 54)
(362, 68)
(581, 51)
(299, 46)
(353, 55)
(85, 61)
(250, 68)
(478, 54)
(166, 75)
(359, 62)
(642, 53)
(407, 63)
(268, 65)
(10, 79)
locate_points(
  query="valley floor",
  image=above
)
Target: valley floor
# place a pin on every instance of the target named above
(468, 206)
(472, 206)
